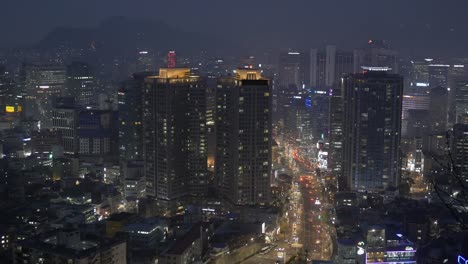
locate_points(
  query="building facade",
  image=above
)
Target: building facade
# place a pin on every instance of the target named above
(81, 84)
(174, 122)
(460, 151)
(42, 84)
(372, 118)
(243, 141)
(461, 101)
(130, 106)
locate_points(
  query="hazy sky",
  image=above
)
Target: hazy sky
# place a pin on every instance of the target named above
(439, 24)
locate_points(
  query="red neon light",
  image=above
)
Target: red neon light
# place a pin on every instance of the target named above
(171, 59)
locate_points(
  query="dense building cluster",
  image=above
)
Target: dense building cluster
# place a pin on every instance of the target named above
(317, 156)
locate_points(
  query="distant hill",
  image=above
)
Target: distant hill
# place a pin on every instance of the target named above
(119, 35)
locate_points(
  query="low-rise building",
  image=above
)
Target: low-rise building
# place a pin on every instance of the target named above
(67, 246)
(187, 249)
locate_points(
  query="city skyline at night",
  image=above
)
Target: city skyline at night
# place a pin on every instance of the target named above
(215, 132)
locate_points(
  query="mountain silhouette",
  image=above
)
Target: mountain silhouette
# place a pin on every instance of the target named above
(123, 36)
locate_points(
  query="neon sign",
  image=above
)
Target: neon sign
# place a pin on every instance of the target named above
(462, 260)
(308, 103)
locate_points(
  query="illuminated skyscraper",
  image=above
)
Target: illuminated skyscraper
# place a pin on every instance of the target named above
(175, 149)
(243, 145)
(42, 84)
(372, 118)
(171, 59)
(81, 84)
(327, 68)
(305, 116)
(336, 126)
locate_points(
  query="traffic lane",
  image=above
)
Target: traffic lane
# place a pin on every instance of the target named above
(316, 237)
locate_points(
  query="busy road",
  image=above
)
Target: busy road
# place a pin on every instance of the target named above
(307, 230)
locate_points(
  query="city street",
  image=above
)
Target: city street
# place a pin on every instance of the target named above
(307, 230)
(316, 224)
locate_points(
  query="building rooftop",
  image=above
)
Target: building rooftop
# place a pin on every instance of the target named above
(181, 244)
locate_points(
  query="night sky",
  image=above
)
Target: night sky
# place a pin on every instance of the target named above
(415, 26)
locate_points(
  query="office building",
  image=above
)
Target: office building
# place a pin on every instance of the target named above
(457, 72)
(298, 117)
(243, 142)
(384, 247)
(97, 133)
(419, 75)
(9, 97)
(65, 123)
(133, 178)
(293, 71)
(145, 61)
(81, 84)
(147, 233)
(292, 78)
(211, 121)
(414, 101)
(461, 101)
(435, 151)
(460, 151)
(42, 84)
(175, 149)
(438, 110)
(417, 123)
(372, 125)
(45, 142)
(319, 108)
(376, 54)
(336, 126)
(328, 66)
(438, 75)
(130, 107)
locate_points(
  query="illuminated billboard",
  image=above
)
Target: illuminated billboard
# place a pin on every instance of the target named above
(13, 109)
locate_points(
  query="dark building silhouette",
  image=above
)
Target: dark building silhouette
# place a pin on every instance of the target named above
(372, 125)
(81, 84)
(130, 107)
(438, 109)
(175, 148)
(243, 142)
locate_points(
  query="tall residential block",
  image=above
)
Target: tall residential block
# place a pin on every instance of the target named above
(243, 140)
(174, 123)
(372, 124)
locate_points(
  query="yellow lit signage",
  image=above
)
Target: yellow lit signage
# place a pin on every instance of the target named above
(10, 109)
(13, 109)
